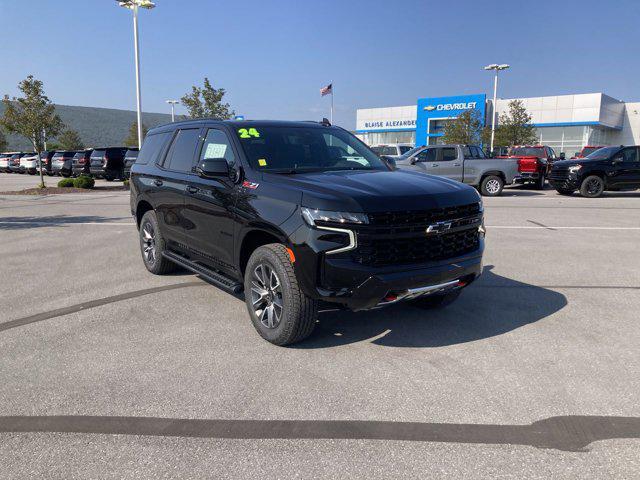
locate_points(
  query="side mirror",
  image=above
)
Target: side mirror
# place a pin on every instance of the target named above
(390, 161)
(213, 168)
(617, 160)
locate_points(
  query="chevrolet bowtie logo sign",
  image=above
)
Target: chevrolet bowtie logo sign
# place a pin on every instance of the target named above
(429, 108)
(451, 106)
(438, 227)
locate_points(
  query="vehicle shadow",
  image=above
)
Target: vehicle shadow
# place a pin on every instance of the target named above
(22, 223)
(521, 191)
(493, 305)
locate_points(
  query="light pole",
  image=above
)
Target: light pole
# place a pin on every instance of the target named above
(134, 5)
(497, 68)
(173, 103)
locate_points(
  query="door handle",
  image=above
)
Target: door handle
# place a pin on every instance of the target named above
(191, 189)
(434, 165)
(157, 182)
(457, 164)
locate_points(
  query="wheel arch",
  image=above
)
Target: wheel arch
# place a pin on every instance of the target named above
(254, 238)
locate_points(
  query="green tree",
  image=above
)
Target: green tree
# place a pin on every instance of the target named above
(132, 137)
(32, 116)
(514, 127)
(207, 102)
(70, 140)
(3, 142)
(466, 128)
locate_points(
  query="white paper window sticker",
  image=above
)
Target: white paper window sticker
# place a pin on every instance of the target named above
(215, 150)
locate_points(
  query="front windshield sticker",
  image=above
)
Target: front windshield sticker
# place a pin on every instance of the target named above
(248, 133)
(215, 150)
(262, 162)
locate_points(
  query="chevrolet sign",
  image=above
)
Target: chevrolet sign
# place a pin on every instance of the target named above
(451, 106)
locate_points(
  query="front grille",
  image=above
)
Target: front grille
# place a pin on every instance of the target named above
(397, 238)
(559, 174)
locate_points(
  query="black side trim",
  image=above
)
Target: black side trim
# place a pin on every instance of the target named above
(211, 276)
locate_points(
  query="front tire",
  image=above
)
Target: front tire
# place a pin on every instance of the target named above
(152, 244)
(491, 186)
(592, 186)
(281, 313)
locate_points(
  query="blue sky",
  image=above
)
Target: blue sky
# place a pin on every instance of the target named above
(273, 56)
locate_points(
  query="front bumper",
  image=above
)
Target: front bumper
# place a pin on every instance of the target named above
(381, 288)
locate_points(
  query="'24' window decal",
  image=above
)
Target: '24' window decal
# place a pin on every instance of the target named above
(248, 133)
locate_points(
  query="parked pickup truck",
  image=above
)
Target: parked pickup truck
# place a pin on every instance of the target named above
(464, 163)
(534, 163)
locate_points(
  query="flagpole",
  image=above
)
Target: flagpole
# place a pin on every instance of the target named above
(331, 102)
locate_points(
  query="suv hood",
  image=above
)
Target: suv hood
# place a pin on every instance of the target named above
(377, 191)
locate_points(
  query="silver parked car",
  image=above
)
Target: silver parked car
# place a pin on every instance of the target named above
(464, 163)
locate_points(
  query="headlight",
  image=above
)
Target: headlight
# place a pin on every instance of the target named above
(311, 216)
(574, 168)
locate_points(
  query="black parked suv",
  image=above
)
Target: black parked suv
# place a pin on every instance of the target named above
(80, 163)
(296, 213)
(129, 159)
(108, 163)
(609, 168)
(47, 162)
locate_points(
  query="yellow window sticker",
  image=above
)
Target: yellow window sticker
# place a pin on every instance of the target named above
(262, 162)
(248, 133)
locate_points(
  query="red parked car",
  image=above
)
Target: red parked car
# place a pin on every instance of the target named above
(534, 163)
(587, 150)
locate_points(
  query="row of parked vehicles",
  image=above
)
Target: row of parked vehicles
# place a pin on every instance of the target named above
(592, 171)
(110, 163)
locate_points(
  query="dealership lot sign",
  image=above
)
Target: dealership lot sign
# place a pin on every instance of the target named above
(443, 108)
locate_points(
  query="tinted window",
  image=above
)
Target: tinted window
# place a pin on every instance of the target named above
(449, 154)
(528, 152)
(468, 152)
(428, 155)
(58, 155)
(131, 154)
(98, 154)
(78, 155)
(287, 149)
(217, 145)
(630, 154)
(152, 147)
(603, 153)
(404, 149)
(180, 155)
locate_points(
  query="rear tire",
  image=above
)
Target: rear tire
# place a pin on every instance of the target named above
(565, 192)
(436, 301)
(491, 186)
(281, 313)
(592, 186)
(539, 184)
(152, 244)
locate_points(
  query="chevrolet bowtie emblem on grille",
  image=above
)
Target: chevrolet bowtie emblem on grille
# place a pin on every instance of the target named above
(438, 227)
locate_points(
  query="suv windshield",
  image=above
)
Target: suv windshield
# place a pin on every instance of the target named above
(304, 149)
(603, 153)
(528, 152)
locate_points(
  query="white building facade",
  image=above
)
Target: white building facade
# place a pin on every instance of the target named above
(564, 122)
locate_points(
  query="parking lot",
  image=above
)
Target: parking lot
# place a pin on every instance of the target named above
(106, 369)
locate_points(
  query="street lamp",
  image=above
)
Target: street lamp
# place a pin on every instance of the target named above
(497, 68)
(173, 103)
(134, 5)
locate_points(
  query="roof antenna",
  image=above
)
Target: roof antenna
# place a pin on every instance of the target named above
(325, 122)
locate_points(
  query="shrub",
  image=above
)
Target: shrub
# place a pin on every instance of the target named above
(65, 183)
(84, 181)
(126, 183)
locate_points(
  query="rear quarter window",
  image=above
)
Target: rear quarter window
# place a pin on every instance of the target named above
(152, 147)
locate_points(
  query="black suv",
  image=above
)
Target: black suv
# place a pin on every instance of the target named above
(129, 159)
(80, 163)
(296, 213)
(108, 163)
(609, 168)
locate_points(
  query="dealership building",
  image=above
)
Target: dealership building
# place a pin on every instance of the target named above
(564, 122)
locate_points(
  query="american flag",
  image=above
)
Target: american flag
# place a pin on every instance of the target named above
(326, 90)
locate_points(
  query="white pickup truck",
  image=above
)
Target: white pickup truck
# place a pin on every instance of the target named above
(464, 163)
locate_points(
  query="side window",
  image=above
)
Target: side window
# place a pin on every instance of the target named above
(448, 154)
(152, 147)
(216, 145)
(630, 154)
(428, 155)
(180, 155)
(552, 153)
(468, 152)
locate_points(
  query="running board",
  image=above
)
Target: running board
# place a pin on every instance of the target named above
(211, 276)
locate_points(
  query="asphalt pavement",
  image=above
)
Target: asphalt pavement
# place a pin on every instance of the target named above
(107, 371)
